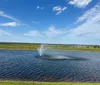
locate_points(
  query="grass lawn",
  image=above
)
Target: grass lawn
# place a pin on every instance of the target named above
(32, 46)
(43, 83)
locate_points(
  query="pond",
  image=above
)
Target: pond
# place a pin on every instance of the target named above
(25, 65)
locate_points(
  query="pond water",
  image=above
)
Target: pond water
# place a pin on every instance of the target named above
(25, 65)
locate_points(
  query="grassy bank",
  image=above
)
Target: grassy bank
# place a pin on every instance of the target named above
(31, 46)
(43, 83)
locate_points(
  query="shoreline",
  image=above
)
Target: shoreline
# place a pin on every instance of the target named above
(34, 46)
(13, 82)
(78, 50)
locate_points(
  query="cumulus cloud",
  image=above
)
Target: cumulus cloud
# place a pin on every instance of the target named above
(79, 3)
(10, 24)
(59, 9)
(2, 33)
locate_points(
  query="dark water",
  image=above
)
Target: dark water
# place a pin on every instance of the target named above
(24, 65)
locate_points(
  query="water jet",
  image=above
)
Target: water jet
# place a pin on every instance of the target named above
(42, 49)
(46, 56)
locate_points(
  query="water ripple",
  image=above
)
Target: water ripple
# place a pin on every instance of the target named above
(24, 65)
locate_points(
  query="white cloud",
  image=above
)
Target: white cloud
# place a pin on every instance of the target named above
(89, 14)
(87, 32)
(59, 9)
(79, 3)
(2, 33)
(33, 33)
(38, 7)
(51, 32)
(10, 24)
(34, 22)
(3, 14)
(90, 28)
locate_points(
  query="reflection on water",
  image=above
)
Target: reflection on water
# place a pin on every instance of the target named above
(59, 57)
(24, 65)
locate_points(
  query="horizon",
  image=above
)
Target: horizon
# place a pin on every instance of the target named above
(54, 22)
(47, 43)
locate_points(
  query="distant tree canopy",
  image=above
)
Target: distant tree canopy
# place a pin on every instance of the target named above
(95, 46)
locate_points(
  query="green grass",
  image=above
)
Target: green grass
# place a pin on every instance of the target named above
(43, 83)
(24, 46)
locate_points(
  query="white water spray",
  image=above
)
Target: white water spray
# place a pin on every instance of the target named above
(42, 49)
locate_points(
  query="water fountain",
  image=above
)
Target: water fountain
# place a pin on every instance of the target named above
(50, 56)
(42, 49)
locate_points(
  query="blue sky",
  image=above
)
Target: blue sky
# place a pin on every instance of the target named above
(50, 21)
